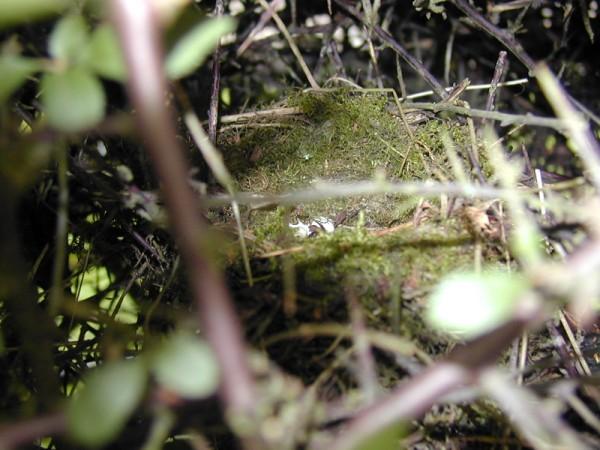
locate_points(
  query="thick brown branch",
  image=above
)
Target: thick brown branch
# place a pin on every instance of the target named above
(18, 434)
(413, 398)
(139, 35)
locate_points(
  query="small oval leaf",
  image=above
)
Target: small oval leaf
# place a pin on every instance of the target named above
(98, 413)
(466, 305)
(15, 70)
(69, 39)
(104, 55)
(13, 12)
(73, 100)
(192, 49)
(186, 365)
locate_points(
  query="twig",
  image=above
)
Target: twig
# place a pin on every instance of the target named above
(584, 367)
(264, 18)
(411, 400)
(365, 362)
(504, 118)
(586, 20)
(214, 160)
(139, 35)
(509, 6)
(522, 361)
(400, 77)
(62, 218)
(323, 191)
(472, 87)
(295, 50)
(264, 114)
(213, 112)
(395, 45)
(501, 35)
(560, 346)
(384, 341)
(448, 53)
(16, 435)
(513, 45)
(499, 72)
(541, 427)
(414, 397)
(578, 129)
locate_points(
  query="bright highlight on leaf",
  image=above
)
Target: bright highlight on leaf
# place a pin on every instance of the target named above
(192, 49)
(99, 412)
(186, 365)
(466, 305)
(73, 100)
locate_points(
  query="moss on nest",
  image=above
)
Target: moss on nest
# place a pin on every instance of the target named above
(339, 136)
(345, 136)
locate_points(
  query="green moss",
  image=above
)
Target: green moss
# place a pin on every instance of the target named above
(346, 136)
(341, 136)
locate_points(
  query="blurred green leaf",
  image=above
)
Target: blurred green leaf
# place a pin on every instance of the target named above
(468, 304)
(30, 156)
(111, 393)
(73, 100)
(104, 55)
(192, 49)
(13, 12)
(387, 438)
(186, 365)
(15, 70)
(69, 39)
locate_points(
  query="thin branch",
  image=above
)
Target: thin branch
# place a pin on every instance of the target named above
(472, 87)
(366, 369)
(577, 128)
(324, 191)
(395, 45)
(62, 219)
(499, 72)
(213, 112)
(448, 53)
(290, 40)
(507, 39)
(264, 18)
(139, 35)
(414, 397)
(504, 118)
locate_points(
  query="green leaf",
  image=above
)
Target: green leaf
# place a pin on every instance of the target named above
(73, 100)
(466, 305)
(13, 12)
(186, 365)
(69, 39)
(192, 49)
(386, 438)
(15, 70)
(111, 393)
(104, 55)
